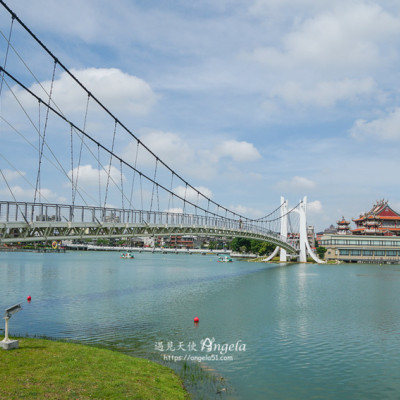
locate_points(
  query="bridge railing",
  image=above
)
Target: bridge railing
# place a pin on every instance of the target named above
(62, 213)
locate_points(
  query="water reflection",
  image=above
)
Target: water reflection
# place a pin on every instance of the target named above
(325, 332)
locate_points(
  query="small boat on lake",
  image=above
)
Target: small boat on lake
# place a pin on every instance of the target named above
(127, 255)
(224, 258)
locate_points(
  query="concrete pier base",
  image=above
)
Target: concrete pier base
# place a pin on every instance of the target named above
(9, 344)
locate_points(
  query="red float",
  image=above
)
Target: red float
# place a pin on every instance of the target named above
(29, 298)
(196, 319)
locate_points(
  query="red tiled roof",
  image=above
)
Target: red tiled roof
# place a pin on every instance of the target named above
(379, 229)
(377, 217)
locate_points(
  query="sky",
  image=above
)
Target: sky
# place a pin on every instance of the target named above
(248, 100)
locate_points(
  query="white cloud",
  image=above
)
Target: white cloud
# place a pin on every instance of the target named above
(266, 8)
(191, 194)
(238, 151)
(191, 156)
(332, 55)
(170, 147)
(119, 91)
(314, 207)
(22, 194)
(248, 212)
(11, 175)
(345, 36)
(385, 128)
(89, 176)
(297, 183)
(323, 94)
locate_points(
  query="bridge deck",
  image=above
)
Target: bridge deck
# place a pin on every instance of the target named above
(28, 222)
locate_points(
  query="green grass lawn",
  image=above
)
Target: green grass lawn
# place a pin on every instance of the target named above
(46, 369)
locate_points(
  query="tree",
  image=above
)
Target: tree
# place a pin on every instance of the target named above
(321, 252)
(243, 249)
(255, 246)
(241, 244)
(244, 245)
(266, 248)
(212, 245)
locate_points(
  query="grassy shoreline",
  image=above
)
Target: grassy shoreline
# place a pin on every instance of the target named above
(47, 369)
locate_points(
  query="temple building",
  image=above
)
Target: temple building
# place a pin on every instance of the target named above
(380, 220)
(376, 238)
(343, 227)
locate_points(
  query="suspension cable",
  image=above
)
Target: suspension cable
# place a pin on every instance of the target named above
(44, 133)
(98, 165)
(81, 148)
(56, 164)
(20, 174)
(280, 217)
(154, 183)
(122, 186)
(12, 194)
(72, 167)
(171, 197)
(141, 192)
(266, 216)
(184, 199)
(134, 174)
(56, 62)
(106, 109)
(109, 166)
(34, 126)
(6, 56)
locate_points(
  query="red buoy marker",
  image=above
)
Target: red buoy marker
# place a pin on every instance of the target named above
(196, 320)
(29, 298)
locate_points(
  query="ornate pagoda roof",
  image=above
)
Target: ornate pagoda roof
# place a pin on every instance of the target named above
(343, 222)
(380, 210)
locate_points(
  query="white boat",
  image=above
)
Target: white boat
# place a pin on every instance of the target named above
(127, 255)
(224, 259)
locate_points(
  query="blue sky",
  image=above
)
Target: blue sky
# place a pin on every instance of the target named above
(249, 100)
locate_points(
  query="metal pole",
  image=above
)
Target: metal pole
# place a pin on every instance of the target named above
(284, 228)
(6, 339)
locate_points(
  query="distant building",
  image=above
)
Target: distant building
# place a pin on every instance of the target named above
(376, 238)
(181, 242)
(311, 235)
(362, 248)
(148, 241)
(327, 231)
(343, 227)
(380, 220)
(113, 217)
(178, 242)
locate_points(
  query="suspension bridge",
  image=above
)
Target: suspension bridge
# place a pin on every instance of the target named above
(71, 170)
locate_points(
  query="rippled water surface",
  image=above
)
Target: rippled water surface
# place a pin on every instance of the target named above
(296, 331)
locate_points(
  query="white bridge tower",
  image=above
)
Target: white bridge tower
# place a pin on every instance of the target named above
(304, 245)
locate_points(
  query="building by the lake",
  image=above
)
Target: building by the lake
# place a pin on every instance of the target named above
(380, 220)
(343, 227)
(376, 238)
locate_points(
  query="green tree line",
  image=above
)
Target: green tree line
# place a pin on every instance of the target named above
(244, 245)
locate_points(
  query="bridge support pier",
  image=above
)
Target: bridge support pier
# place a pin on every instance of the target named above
(304, 245)
(303, 239)
(284, 228)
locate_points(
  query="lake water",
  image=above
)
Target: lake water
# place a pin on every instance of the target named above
(279, 332)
